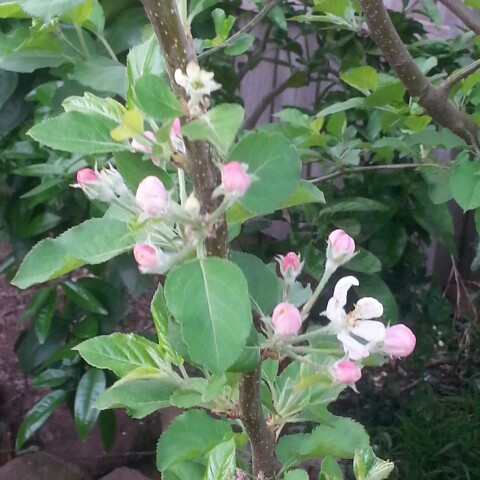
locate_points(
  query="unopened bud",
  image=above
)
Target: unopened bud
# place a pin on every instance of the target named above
(93, 185)
(152, 197)
(340, 249)
(290, 266)
(286, 319)
(399, 341)
(151, 259)
(346, 372)
(235, 179)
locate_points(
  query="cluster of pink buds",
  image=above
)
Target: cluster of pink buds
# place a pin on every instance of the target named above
(105, 185)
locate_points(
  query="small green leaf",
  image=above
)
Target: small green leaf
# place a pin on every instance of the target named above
(209, 298)
(89, 103)
(330, 470)
(296, 475)
(365, 262)
(219, 126)
(362, 78)
(83, 298)
(91, 385)
(465, 184)
(221, 461)
(38, 415)
(189, 436)
(78, 133)
(121, 353)
(155, 97)
(47, 9)
(140, 397)
(241, 45)
(43, 318)
(275, 164)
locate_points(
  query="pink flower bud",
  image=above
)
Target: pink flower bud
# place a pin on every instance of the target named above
(152, 197)
(290, 266)
(235, 179)
(175, 130)
(341, 247)
(399, 341)
(86, 175)
(150, 259)
(286, 319)
(140, 147)
(346, 372)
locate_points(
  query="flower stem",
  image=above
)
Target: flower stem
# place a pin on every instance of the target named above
(323, 281)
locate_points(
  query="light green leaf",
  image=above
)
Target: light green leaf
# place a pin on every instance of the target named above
(363, 79)
(121, 353)
(221, 461)
(82, 244)
(38, 415)
(354, 204)
(91, 385)
(342, 106)
(364, 261)
(26, 61)
(275, 164)
(160, 315)
(11, 9)
(219, 126)
(465, 184)
(140, 397)
(367, 466)
(102, 74)
(155, 97)
(209, 298)
(78, 133)
(89, 103)
(190, 435)
(47, 9)
(263, 285)
(330, 469)
(296, 475)
(241, 45)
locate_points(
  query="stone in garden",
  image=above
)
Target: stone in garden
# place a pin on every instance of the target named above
(41, 466)
(125, 473)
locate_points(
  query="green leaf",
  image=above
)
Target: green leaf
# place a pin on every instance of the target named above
(89, 103)
(354, 204)
(219, 126)
(91, 385)
(8, 84)
(43, 317)
(11, 9)
(121, 353)
(82, 244)
(386, 94)
(160, 315)
(155, 97)
(465, 184)
(209, 298)
(107, 425)
(83, 297)
(26, 61)
(53, 377)
(102, 74)
(241, 45)
(362, 78)
(189, 436)
(367, 466)
(78, 133)
(134, 170)
(140, 397)
(221, 461)
(275, 165)
(47, 9)
(296, 475)
(38, 415)
(339, 439)
(264, 286)
(342, 106)
(330, 469)
(365, 262)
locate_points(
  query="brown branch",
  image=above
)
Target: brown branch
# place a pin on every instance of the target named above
(456, 77)
(177, 49)
(261, 439)
(433, 99)
(465, 14)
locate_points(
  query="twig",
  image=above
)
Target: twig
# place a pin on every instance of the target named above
(394, 166)
(456, 77)
(433, 99)
(465, 14)
(245, 29)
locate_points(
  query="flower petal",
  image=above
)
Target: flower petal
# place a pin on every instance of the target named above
(353, 348)
(368, 308)
(342, 287)
(193, 70)
(335, 313)
(369, 330)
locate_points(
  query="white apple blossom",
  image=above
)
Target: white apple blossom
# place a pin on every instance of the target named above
(356, 325)
(198, 83)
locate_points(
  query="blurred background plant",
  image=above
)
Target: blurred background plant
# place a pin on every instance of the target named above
(384, 169)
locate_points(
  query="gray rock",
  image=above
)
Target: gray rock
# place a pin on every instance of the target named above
(124, 473)
(41, 466)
